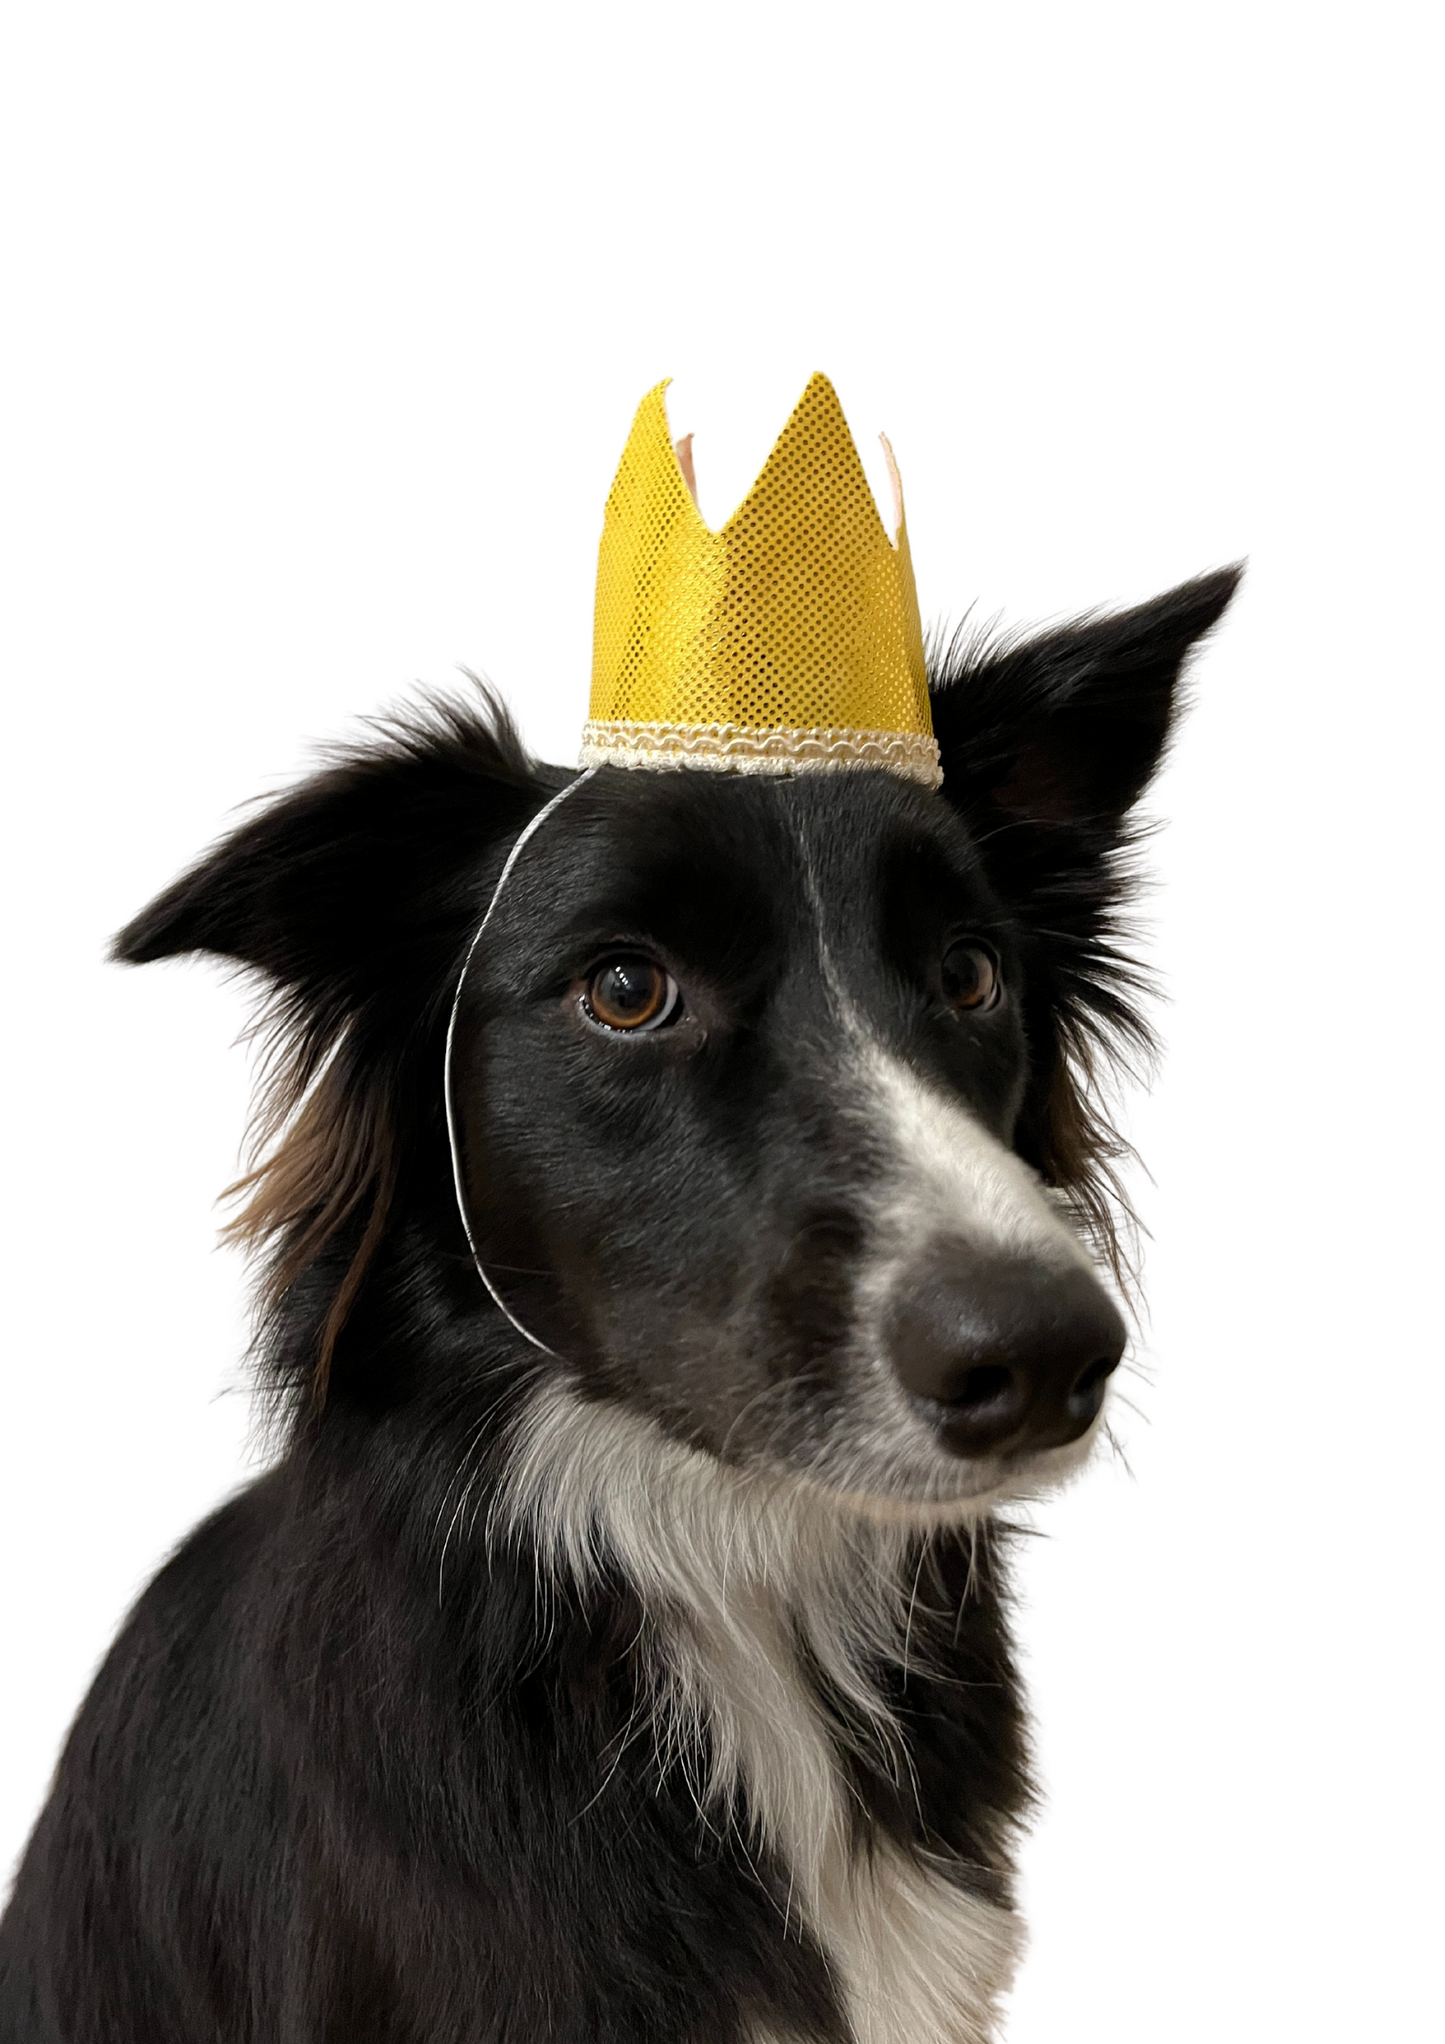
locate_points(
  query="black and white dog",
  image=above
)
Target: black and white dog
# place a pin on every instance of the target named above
(619, 1655)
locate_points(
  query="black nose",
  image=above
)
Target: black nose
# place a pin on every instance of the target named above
(1011, 1355)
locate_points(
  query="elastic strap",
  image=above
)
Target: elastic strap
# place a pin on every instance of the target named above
(453, 1131)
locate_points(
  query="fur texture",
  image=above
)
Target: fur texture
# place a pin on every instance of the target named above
(652, 1686)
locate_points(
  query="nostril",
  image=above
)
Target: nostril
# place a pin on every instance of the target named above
(1087, 1393)
(985, 1385)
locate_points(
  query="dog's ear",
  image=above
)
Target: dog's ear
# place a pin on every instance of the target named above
(357, 886)
(1046, 746)
(355, 895)
(1065, 730)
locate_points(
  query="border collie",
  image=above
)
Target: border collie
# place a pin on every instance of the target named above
(617, 1651)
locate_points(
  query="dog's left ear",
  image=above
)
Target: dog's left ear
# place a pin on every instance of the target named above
(1046, 746)
(1064, 731)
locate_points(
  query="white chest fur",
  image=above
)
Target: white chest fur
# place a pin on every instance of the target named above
(915, 1959)
(741, 1582)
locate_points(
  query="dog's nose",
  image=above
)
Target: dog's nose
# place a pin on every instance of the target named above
(1011, 1355)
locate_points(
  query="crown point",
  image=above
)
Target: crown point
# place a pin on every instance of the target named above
(895, 488)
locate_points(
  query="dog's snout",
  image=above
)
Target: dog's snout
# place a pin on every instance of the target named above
(1011, 1355)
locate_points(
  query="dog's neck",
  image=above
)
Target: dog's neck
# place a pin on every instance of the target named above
(769, 1615)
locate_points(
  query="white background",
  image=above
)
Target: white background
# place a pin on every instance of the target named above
(325, 325)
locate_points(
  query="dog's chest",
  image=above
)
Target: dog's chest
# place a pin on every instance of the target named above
(918, 1960)
(915, 1958)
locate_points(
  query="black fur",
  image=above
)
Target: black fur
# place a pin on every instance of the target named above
(349, 1773)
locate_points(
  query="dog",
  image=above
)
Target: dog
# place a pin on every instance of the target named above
(617, 1650)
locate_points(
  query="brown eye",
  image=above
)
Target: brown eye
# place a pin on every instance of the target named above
(630, 992)
(970, 975)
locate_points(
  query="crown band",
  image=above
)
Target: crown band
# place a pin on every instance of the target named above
(760, 749)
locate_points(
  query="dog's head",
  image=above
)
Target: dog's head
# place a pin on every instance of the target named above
(771, 1096)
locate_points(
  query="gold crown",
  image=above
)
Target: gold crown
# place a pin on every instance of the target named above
(787, 642)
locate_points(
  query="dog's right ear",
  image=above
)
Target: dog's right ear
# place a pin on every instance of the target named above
(356, 895)
(357, 887)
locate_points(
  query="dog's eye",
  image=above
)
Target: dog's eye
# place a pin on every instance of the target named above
(630, 992)
(970, 975)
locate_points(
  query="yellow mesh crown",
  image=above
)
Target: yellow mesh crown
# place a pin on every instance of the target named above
(787, 641)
